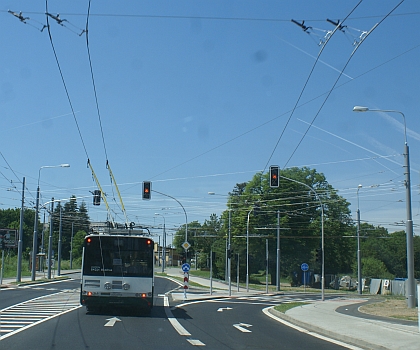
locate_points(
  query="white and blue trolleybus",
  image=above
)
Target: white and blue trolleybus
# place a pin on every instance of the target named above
(117, 269)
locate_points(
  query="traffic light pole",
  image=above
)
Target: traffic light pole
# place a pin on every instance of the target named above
(186, 219)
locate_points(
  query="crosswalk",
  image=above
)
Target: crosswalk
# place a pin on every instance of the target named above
(277, 299)
(29, 313)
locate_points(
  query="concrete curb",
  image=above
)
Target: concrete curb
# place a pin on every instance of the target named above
(336, 336)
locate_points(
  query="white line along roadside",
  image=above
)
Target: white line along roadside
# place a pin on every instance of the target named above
(177, 326)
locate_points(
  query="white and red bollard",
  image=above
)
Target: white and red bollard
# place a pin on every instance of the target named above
(186, 278)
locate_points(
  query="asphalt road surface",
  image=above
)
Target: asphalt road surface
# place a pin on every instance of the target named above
(48, 316)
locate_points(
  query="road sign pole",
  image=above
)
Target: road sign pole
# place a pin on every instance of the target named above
(304, 267)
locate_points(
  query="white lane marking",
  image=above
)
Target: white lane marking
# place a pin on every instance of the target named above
(303, 330)
(174, 322)
(240, 326)
(221, 309)
(195, 342)
(111, 321)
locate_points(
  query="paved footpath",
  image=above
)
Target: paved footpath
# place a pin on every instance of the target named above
(320, 318)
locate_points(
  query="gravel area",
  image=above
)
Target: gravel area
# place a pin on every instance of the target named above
(391, 308)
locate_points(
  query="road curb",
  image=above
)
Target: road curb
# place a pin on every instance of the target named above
(315, 329)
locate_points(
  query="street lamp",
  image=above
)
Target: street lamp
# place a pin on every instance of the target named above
(35, 237)
(163, 243)
(411, 292)
(359, 258)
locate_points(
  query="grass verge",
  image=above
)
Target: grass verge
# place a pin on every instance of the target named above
(287, 306)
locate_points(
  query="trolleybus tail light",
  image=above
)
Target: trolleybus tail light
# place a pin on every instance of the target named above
(143, 295)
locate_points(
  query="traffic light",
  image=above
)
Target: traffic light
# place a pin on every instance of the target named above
(274, 176)
(147, 189)
(96, 197)
(318, 255)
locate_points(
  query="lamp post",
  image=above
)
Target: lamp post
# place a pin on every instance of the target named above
(229, 251)
(359, 258)
(163, 242)
(411, 291)
(35, 237)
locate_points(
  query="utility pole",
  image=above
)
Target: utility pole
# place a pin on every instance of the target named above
(60, 234)
(20, 242)
(50, 240)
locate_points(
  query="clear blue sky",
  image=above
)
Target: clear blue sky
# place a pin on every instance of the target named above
(194, 95)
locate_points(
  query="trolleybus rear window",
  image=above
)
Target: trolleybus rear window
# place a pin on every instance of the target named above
(118, 256)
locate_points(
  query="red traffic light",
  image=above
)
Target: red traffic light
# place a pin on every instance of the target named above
(147, 189)
(274, 176)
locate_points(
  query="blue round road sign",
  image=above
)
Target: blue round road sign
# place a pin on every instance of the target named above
(185, 267)
(304, 267)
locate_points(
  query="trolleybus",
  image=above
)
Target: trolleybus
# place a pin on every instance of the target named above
(117, 270)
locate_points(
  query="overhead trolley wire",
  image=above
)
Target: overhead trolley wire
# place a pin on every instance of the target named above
(71, 106)
(93, 79)
(64, 82)
(99, 116)
(362, 39)
(307, 80)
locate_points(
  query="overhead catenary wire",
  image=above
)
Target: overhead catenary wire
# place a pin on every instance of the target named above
(99, 115)
(64, 82)
(70, 103)
(338, 78)
(306, 83)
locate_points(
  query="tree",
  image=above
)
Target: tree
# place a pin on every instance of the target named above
(10, 218)
(298, 201)
(375, 268)
(74, 219)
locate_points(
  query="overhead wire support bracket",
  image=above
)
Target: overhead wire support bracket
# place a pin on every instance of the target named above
(26, 20)
(102, 193)
(118, 191)
(19, 15)
(306, 29)
(340, 27)
(61, 20)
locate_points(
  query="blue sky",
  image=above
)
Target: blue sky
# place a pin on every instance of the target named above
(194, 95)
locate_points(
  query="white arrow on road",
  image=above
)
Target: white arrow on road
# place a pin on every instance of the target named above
(220, 309)
(111, 321)
(241, 326)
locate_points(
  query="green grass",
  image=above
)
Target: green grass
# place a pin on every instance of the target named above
(287, 306)
(10, 266)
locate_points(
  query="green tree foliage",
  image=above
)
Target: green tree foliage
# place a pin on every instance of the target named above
(254, 208)
(74, 221)
(388, 248)
(10, 218)
(375, 268)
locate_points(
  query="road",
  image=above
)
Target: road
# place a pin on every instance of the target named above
(48, 316)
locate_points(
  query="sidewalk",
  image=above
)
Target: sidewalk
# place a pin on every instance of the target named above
(39, 276)
(320, 317)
